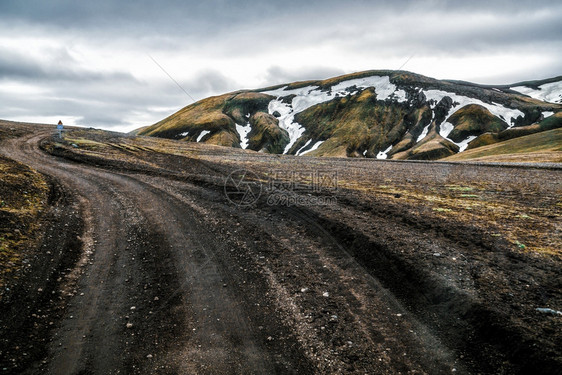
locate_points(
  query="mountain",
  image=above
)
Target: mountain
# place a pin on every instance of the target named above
(375, 114)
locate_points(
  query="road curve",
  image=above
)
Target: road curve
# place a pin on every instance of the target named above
(173, 279)
(147, 269)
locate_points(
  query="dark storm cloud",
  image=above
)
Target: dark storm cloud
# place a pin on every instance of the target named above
(192, 16)
(180, 14)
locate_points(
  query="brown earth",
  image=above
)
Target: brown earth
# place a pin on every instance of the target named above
(378, 267)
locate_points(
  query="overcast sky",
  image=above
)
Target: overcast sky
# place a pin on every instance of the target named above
(89, 62)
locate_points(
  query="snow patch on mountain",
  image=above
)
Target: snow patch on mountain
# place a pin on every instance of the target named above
(287, 121)
(184, 134)
(243, 132)
(314, 147)
(383, 154)
(445, 129)
(425, 130)
(507, 114)
(546, 114)
(549, 92)
(203, 133)
(423, 133)
(464, 144)
(303, 147)
(382, 86)
(282, 91)
(306, 97)
(399, 96)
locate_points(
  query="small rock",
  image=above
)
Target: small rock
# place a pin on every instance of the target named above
(156, 298)
(149, 356)
(436, 254)
(326, 294)
(129, 325)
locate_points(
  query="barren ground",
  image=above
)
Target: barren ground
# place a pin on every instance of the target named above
(143, 265)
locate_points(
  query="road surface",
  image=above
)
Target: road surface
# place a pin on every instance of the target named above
(171, 277)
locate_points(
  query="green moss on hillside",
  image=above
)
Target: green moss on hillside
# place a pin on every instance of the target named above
(359, 123)
(23, 196)
(552, 122)
(474, 120)
(432, 147)
(483, 140)
(242, 104)
(549, 141)
(206, 114)
(266, 134)
(219, 115)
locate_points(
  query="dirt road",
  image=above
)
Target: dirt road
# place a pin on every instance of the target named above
(171, 277)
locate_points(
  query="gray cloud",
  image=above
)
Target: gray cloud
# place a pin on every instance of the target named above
(106, 12)
(270, 32)
(55, 65)
(219, 17)
(209, 82)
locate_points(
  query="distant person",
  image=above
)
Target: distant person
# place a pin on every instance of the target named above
(60, 128)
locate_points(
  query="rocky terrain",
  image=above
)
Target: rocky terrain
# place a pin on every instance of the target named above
(168, 257)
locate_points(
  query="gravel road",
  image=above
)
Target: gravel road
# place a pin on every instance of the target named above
(170, 277)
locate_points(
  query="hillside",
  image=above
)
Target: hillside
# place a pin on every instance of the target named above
(373, 114)
(540, 147)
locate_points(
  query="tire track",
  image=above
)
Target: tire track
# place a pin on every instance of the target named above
(91, 337)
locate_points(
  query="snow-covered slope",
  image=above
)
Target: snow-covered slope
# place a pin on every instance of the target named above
(377, 114)
(506, 114)
(549, 92)
(309, 96)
